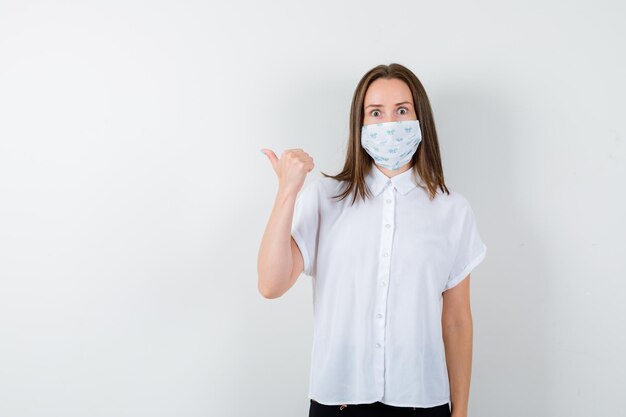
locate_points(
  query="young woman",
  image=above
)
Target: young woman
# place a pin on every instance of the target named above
(390, 250)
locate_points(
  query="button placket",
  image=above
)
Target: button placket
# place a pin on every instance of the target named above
(386, 239)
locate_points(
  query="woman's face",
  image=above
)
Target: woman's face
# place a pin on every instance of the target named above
(388, 101)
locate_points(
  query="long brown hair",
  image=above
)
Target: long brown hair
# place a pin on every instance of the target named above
(426, 161)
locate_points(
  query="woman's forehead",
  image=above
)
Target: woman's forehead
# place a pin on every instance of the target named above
(388, 93)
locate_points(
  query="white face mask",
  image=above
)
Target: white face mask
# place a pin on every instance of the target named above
(391, 144)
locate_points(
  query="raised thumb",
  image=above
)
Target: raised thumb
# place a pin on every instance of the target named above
(271, 155)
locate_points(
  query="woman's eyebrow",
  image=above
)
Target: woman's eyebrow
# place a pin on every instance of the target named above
(380, 105)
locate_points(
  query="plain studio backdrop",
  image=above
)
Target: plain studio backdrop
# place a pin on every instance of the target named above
(133, 195)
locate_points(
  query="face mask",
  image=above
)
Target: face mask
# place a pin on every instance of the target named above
(391, 144)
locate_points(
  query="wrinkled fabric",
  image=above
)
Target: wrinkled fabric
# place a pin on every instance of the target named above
(391, 144)
(379, 268)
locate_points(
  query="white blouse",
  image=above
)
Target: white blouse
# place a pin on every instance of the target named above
(378, 270)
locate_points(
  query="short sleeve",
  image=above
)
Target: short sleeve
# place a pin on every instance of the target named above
(470, 249)
(305, 225)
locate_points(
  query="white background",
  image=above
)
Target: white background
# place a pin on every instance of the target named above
(133, 195)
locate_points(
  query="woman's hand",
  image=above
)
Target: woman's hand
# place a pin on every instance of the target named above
(291, 168)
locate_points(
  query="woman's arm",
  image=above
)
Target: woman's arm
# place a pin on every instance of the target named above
(279, 261)
(457, 331)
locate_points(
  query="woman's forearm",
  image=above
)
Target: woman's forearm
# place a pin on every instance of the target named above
(458, 346)
(275, 257)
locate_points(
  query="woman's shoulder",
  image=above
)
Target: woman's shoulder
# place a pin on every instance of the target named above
(317, 187)
(453, 200)
(456, 197)
(323, 185)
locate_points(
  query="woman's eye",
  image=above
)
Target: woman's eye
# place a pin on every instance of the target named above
(374, 111)
(401, 108)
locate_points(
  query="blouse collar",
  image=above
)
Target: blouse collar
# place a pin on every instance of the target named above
(376, 180)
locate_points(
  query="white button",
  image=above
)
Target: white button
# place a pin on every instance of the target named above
(388, 200)
(378, 345)
(379, 315)
(386, 254)
(382, 283)
(387, 225)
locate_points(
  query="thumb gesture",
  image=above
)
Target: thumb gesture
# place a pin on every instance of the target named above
(292, 167)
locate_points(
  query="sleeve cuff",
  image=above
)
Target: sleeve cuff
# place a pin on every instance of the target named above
(305, 255)
(463, 274)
